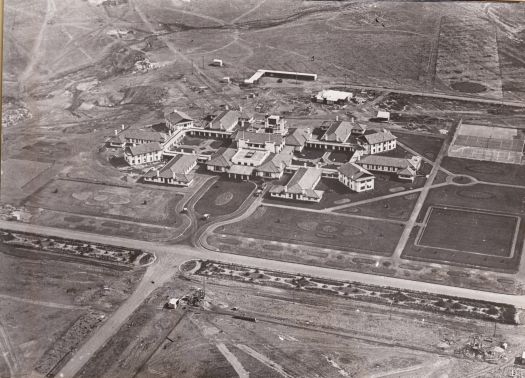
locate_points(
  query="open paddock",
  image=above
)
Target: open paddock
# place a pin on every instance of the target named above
(320, 230)
(153, 206)
(105, 226)
(426, 145)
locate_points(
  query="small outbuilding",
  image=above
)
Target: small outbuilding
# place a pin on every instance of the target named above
(217, 63)
(383, 116)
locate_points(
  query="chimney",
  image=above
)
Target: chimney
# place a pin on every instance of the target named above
(123, 127)
(337, 118)
(353, 119)
(116, 132)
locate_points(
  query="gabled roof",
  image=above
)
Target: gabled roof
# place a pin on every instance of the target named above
(178, 165)
(222, 158)
(297, 137)
(303, 180)
(258, 138)
(275, 163)
(145, 148)
(379, 137)
(387, 161)
(358, 126)
(177, 116)
(151, 136)
(225, 120)
(339, 131)
(353, 171)
(117, 139)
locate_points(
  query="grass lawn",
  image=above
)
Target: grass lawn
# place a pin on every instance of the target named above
(224, 197)
(339, 156)
(464, 259)
(192, 141)
(479, 197)
(486, 170)
(336, 193)
(155, 206)
(320, 230)
(398, 208)
(425, 145)
(488, 198)
(463, 230)
(310, 153)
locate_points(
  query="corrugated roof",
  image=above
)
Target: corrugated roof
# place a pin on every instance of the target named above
(145, 148)
(353, 171)
(222, 158)
(379, 137)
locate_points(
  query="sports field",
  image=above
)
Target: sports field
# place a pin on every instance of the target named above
(479, 226)
(464, 230)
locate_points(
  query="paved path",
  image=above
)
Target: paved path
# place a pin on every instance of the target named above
(169, 257)
(422, 197)
(326, 211)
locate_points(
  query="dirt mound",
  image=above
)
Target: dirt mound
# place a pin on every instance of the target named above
(143, 95)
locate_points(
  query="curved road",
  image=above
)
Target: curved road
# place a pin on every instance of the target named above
(170, 257)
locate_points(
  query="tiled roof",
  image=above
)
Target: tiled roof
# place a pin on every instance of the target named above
(241, 169)
(387, 161)
(222, 158)
(117, 139)
(379, 137)
(145, 148)
(353, 171)
(225, 119)
(303, 179)
(177, 116)
(258, 138)
(151, 136)
(275, 163)
(339, 131)
(297, 137)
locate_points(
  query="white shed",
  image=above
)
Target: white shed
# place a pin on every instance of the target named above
(385, 116)
(217, 62)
